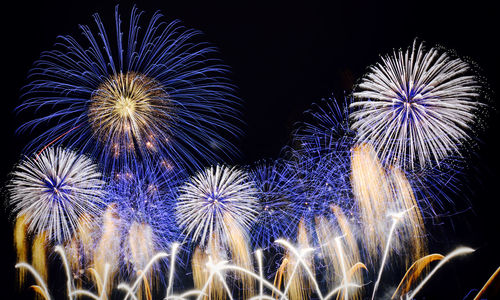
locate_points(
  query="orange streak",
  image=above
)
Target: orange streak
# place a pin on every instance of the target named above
(488, 283)
(56, 139)
(414, 272)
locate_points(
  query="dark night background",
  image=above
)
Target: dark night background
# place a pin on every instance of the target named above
(285, 56)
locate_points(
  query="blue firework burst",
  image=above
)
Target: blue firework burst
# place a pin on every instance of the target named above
(326, 129)
(275, 188)
(146, 200)
(154, 93)
(320, 160)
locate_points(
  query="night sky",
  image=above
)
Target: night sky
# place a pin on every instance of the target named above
(283, 58)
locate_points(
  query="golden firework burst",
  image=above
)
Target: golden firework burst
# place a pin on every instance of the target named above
(130, 110)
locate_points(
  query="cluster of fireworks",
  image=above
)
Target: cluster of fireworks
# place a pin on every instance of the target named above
(127, 181)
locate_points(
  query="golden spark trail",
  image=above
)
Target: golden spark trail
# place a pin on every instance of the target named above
(297, 286)
(240, 254)
(371, 191)
(412, 230)
(85, 231)
(414, 272)
(72, 247)
(106, 258)
(487, 284)
(454, 253)
(379, 192)
(39, 255)
(351, 255)
(201, 275)
(141, 250)
(20, 245)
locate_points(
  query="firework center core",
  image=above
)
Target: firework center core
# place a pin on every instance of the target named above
(129, 108)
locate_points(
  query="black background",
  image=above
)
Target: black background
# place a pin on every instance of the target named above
(285, 56)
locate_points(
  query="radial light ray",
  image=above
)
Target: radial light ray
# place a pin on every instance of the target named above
(146, 92)
(416, 107)
(53, 190)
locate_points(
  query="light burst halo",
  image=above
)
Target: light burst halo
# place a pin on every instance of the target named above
(213, 196)
(148, 94)
(54, 189)
(416, 107)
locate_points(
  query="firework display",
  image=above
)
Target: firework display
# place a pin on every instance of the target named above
(417, 106)
(155, 95)
(130, 187)
(53, 189)
(215, 199)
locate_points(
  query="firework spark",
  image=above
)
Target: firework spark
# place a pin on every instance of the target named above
(158, 93)
(217, 209)
(105, 260)
(297, 261)
(416, 107)
(339, 251)
(276, 219)
(53, 190)
(21, 246)
(145, 205)
(319, 161)
(213, 194)
(38, 254)
(379, 192)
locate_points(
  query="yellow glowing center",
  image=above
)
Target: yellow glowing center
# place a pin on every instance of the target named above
(129, 109)
(125, 107)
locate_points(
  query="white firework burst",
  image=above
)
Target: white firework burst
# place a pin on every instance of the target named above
(214, 201)
(416, 107)
(54, 189)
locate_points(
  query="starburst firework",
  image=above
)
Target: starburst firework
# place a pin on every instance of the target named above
(53, 189)
(154, 95)
(213, 197)
(276, 219)
(217, 209)
(145, 205)
(416, 107)
(319, 160)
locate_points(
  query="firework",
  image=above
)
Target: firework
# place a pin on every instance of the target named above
(297, 268)
(218, 207)
(211, 196)
(38, 254)
(137, 224)
(293, 288)
(21, 246)
(320, 183)
(53, 189)
(380, 193)
(156, 93)
(326, 129)
(416, 107)
(145, 203)
(276, 219)
(319, 160)
(414, 272)
(339, 251)
(106, 258)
